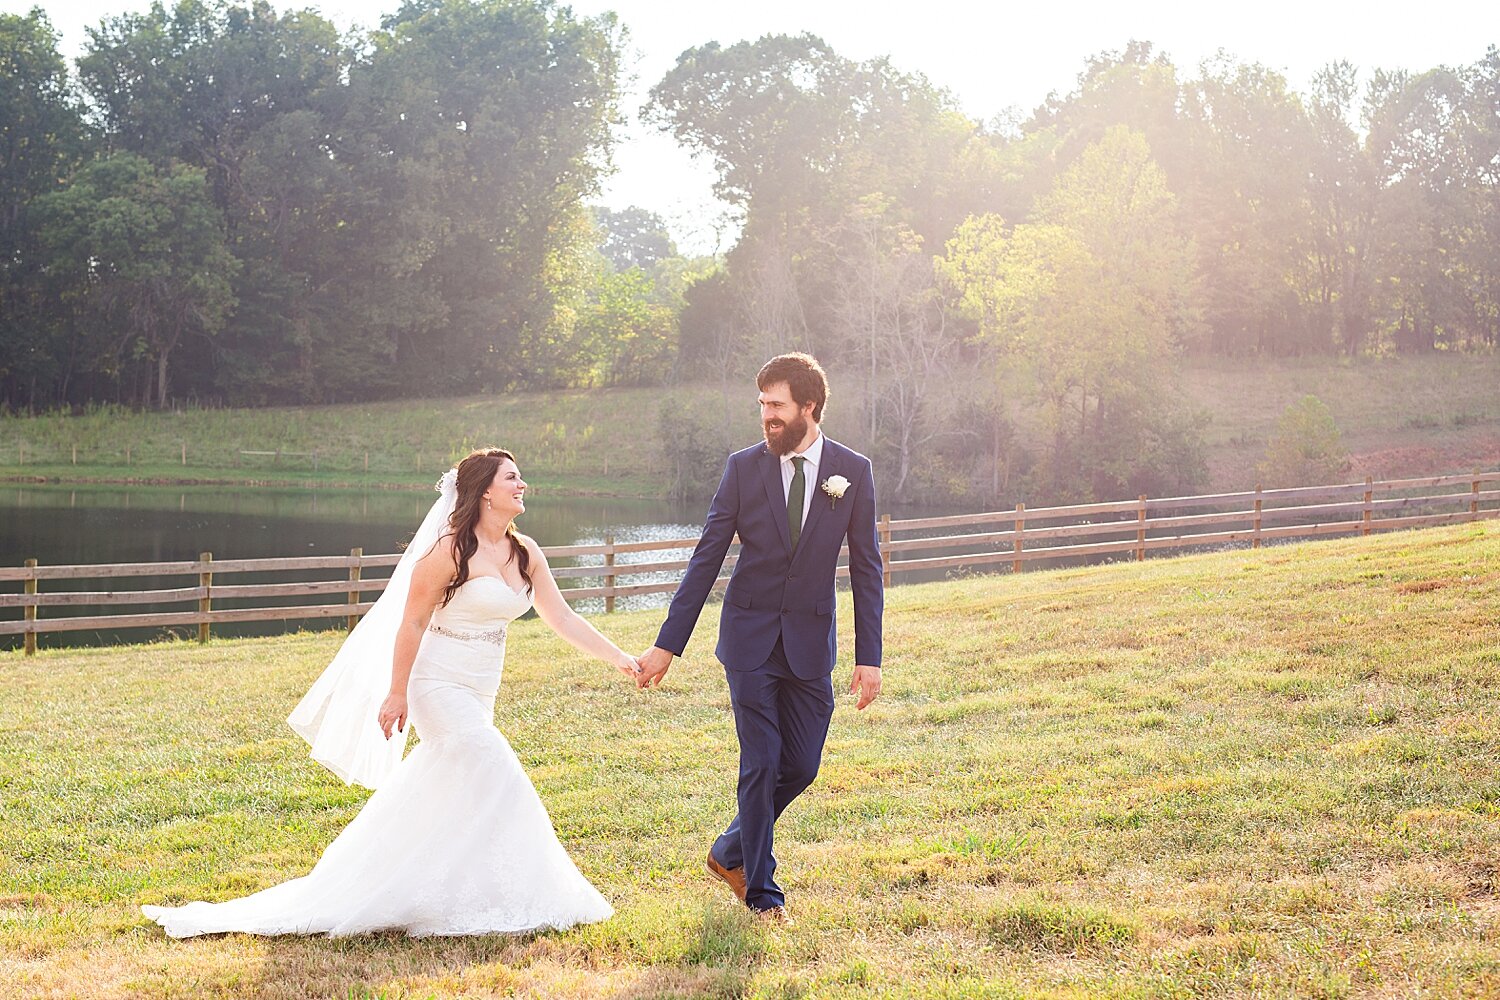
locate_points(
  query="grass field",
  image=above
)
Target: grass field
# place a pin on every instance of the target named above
(1271, 773)
(1407, 416)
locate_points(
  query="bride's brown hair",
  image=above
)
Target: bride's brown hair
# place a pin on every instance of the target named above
(475, 473)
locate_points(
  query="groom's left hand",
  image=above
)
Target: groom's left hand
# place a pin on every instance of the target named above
(865, 683)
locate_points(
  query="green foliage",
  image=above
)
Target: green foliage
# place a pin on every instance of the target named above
(710, 335)
(395, 225)
(147, 251)
(693, 441)
(1306, 448)
(1087, 303)
(628, 336)
(634, 237)
(41, 139)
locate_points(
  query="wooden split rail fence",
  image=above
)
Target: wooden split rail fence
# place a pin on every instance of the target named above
(920, 546)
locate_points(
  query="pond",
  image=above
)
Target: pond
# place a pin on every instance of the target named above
(118, 524)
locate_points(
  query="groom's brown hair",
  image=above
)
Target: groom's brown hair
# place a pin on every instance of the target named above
(802, 373)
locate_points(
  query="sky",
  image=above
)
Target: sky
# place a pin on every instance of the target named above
(994, 56)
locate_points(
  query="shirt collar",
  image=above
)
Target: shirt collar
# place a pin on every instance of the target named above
(813, 454)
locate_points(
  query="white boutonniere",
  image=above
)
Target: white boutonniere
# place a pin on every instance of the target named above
(835, 486)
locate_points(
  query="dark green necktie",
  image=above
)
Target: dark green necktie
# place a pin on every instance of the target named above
(794, 501)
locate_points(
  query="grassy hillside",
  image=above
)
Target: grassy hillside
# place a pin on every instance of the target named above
(1409, 416)
(599, 442)
(1399, 416)
(1271, 773)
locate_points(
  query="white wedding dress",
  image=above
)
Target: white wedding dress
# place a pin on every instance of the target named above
(456, 841)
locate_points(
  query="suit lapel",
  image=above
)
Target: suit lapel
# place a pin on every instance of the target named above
(819, 498)
(771, 474)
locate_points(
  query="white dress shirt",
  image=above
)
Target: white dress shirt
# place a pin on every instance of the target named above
(814, 456)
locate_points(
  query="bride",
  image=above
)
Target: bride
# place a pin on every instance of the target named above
(455, 839)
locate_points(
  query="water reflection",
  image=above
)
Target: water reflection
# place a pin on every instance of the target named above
(110, 524)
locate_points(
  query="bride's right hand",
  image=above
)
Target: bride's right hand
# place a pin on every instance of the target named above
(392, 714)
(628, 665)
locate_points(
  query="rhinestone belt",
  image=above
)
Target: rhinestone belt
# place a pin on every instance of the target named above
(496, 635)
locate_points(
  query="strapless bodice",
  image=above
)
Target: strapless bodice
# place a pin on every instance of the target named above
(465, 641)
(482, 604)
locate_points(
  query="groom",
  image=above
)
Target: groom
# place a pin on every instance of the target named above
(793, 500)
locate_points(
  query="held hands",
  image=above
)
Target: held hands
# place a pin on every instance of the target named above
(392, 714)
(865, 683)
(653, 663)
(628, 665)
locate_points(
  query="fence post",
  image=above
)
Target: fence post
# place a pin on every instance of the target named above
(205, 603)
(1369, 510)
(1255, 526)
(31, 608)
(184, 453)
(884, 528)
(127, 454)
(75, 454)
(1015, 565)
(1140, 531)
(356, 554)
(1474, 502)
(609, 573)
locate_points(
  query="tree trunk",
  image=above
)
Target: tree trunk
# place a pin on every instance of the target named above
(904, 462)
(995, 459)
(161, 379)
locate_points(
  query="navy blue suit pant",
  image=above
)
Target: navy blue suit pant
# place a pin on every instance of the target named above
(782, 723)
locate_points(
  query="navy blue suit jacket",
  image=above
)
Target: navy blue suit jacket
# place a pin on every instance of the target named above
(773, 591)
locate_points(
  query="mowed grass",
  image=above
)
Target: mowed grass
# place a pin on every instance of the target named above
(1400, 416)
(1269, 773)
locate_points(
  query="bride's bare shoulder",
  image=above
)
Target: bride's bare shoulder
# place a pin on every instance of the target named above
(443, 553)
(532, 548)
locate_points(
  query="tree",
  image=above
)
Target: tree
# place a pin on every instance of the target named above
(149, 247)
(1341, 196)
(626, 334)
(1435, 142)
(405, 207)
(1091, 301)
(633, 237)
(891, 319)
(1247, 200)
(41, 138)
(1136, 87)
(480, 175)
(1306, 448)
(800, 137)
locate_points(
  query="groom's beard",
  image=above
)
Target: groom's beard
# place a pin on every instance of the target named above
(784, 437)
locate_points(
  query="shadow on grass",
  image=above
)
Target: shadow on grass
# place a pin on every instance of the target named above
(713, 956)
(719, 956)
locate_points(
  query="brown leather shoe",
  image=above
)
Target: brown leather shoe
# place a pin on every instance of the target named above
(732, 877)
(776, 915)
